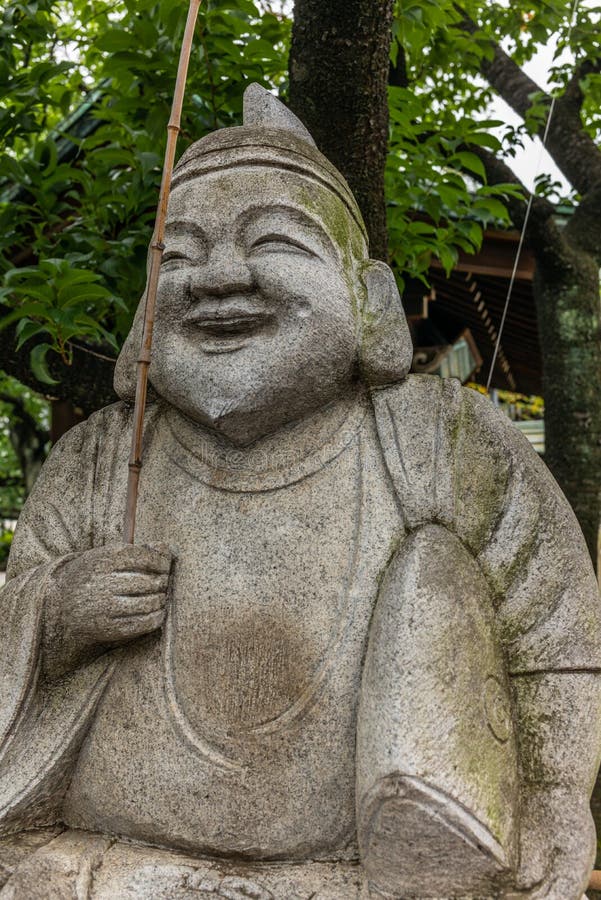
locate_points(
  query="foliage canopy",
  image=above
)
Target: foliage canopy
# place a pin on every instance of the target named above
(88, 89)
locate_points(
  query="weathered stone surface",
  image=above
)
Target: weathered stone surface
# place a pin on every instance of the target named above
(78, 864)
(438, 796)
(356, 648)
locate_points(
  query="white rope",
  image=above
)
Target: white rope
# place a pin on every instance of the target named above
(527, 216)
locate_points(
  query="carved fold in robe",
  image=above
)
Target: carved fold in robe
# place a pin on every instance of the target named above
(466, 469)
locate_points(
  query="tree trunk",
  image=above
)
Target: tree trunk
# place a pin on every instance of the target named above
(63, 416)
(569, 320)
(339, 64)
(568, 312)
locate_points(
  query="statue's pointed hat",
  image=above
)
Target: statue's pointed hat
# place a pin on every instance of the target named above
(272, 136)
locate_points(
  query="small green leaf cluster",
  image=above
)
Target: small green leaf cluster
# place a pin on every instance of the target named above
(60, 302)
(438, 200)
(13, 489)
(6, 537)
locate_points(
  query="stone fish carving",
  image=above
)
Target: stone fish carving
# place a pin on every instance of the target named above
(356, 650)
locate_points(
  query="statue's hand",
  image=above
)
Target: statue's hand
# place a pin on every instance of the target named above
(557, 848)
(101, 598)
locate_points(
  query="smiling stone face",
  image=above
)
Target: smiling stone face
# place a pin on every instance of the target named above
(258, 307)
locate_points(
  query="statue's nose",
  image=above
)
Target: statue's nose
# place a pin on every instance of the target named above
(224, 273)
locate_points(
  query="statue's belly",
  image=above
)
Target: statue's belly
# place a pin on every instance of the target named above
(289, 794)
(258, 610)
(235, 731)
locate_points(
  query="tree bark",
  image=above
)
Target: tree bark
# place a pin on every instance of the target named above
(570, 334)
(566, 291)
(566, 294)
(339, 66)
(573, 150)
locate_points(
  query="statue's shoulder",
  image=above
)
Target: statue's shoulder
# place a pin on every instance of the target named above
(111, 423)
(416, 422)
(115, 415)
(443, 411)
(106, 433)
(102, 427)
(419, 416)
(419, 398)
(451, 455)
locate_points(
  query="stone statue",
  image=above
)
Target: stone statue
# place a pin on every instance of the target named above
(356, 649)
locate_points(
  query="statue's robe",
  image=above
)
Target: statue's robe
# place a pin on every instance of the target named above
(280, 735)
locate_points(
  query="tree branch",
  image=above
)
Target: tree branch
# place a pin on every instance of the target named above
(583, 227)
(504, 75)
(542, 234)
(573, 92)
(573, 150)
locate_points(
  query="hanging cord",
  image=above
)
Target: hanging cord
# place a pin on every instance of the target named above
(527, 216)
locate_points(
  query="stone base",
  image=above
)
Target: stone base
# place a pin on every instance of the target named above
(93, 867)
(46, 865)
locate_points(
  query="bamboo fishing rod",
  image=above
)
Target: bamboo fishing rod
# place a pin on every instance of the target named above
(156, 255)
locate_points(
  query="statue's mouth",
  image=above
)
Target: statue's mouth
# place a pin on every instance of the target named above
(226, 330)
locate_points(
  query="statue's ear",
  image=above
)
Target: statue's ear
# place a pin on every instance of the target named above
(124, 379)
(126, 367)
(386, 349)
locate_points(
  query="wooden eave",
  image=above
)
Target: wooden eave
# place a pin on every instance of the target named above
(474, 296)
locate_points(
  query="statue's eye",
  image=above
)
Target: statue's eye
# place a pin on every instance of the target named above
(279, 243)
(174, 257)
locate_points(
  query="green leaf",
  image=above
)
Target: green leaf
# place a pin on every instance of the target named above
(490, 208)
(113, 40)
(50, 146)
(43, 292)
(485, 139)
(448, 257)
(76, 293)
(450, 196)
(471, 162)
(29, 330)
(25, 309)
(39, 363)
